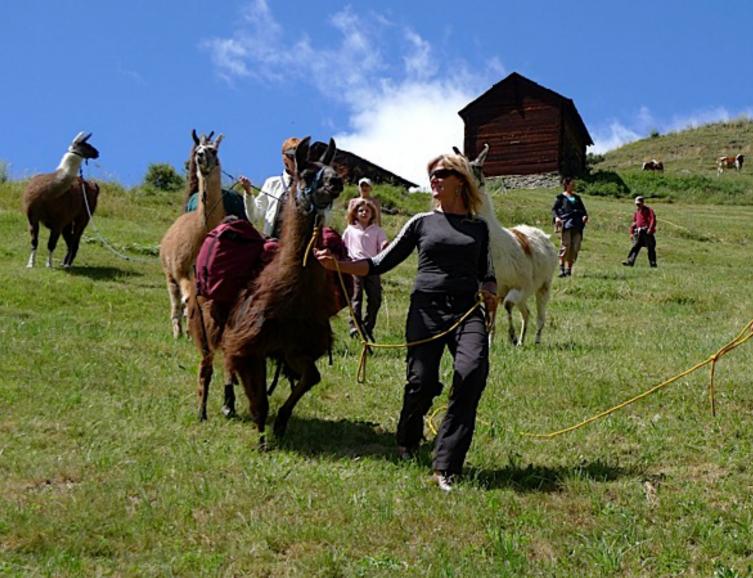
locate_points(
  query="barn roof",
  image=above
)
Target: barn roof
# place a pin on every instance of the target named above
(356, 167)
(518, 81)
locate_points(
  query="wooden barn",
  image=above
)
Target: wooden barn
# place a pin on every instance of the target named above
(530, 129)
(352, 168)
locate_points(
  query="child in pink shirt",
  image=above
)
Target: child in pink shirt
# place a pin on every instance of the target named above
(364, 238)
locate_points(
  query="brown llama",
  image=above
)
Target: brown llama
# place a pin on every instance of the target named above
(286, 314)
(57, 201)
(182, 241)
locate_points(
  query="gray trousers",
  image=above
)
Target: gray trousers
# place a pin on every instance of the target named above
(469, 346)
(371, 285)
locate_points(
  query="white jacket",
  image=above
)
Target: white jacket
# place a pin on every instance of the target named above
(267, 206)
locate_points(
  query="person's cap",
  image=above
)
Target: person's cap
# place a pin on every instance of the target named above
(638, 199)
(289, 145)
(364, 181)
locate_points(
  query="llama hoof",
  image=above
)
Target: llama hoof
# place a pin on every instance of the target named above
(281, 424)
(263, 446)
(228, 412)
(202, 415)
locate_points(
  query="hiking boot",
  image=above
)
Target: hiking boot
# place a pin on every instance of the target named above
(563, 273)
(627, 263)
(406, 453)
(444, 480)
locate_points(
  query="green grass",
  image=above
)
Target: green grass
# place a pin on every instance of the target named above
(690, 173)
(104, 469)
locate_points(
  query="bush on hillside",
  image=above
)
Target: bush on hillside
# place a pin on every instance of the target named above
(602, 184)
(3, 172)
(163, 177)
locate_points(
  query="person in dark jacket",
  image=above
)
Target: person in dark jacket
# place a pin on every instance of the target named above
(570, 217)
(454, 266)
(642, 233)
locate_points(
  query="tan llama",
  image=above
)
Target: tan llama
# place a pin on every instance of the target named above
(181, 243)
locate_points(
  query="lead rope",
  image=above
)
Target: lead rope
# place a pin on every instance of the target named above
(366, 344)
(742, 337)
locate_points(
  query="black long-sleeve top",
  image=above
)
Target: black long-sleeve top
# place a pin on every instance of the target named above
(570, 210)
(453, 253)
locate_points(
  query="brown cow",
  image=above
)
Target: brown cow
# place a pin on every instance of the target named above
(653, 165)
(728, 163)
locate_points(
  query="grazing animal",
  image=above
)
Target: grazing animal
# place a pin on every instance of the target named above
(57, 201)
(728, 163)
(286, 316)
(182, 241)
(653, 165)
(524, 261)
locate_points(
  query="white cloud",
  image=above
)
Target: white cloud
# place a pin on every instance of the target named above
(617, 133)
(401, 111)
(613, 137)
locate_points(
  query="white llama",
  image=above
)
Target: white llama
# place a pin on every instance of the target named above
(524, 261)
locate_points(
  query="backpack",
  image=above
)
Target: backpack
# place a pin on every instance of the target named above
(229, 258)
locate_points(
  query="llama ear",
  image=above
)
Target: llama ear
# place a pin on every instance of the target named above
(218, 141)
(329, 154)
(482, 155)
(456, 150)
(86, 137)
(211, 134)
(79, 137)
(195, 138)
(302, 154)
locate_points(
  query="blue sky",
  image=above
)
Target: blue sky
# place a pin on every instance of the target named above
(386, 78)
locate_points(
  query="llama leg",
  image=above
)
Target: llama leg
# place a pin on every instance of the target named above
(512, 299)
(205, 377)
(524, 314)
(176, 312)
(253, 376)
(72, 241)
(51, 244)
(228, 407)
(34, 232)
(542, 299)
(310, 376)
(185, 295)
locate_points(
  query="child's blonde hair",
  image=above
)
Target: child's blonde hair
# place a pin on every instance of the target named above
(353, 211)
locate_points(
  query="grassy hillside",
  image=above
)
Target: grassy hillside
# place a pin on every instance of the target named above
(104, 469)
(689, 159)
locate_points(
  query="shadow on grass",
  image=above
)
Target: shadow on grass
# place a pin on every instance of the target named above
(102, 273)
(341, 438)
(352, 439)
(545, 479)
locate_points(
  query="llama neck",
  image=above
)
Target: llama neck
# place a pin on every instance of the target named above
(210, 205)
(69, 165)
(487, 208)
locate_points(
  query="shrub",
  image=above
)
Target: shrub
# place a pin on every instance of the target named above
(164, 177)
(602, 184)
(3, 172)
(654, 134)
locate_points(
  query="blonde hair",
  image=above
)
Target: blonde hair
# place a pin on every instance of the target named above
(290, 144)
(470, 193)
(352, 216)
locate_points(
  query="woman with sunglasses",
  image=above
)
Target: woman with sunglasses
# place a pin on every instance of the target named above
(454, 265)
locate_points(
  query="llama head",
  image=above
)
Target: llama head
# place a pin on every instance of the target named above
(206, 152)
(477, 165)
(318, 183)
(82, 148)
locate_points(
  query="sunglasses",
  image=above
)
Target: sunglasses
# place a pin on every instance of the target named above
(444, 173)
(290, 153)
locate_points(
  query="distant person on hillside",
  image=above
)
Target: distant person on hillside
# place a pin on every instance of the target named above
(642, 233)
(364, 239)
(267, 205)
(570, 217)
(364, 192)
(455, 271)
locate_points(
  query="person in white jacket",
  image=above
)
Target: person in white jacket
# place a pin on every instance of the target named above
(267, 205)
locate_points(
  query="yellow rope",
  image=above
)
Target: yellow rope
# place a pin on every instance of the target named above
(742, 337)
(312, 242)
(366, 344)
